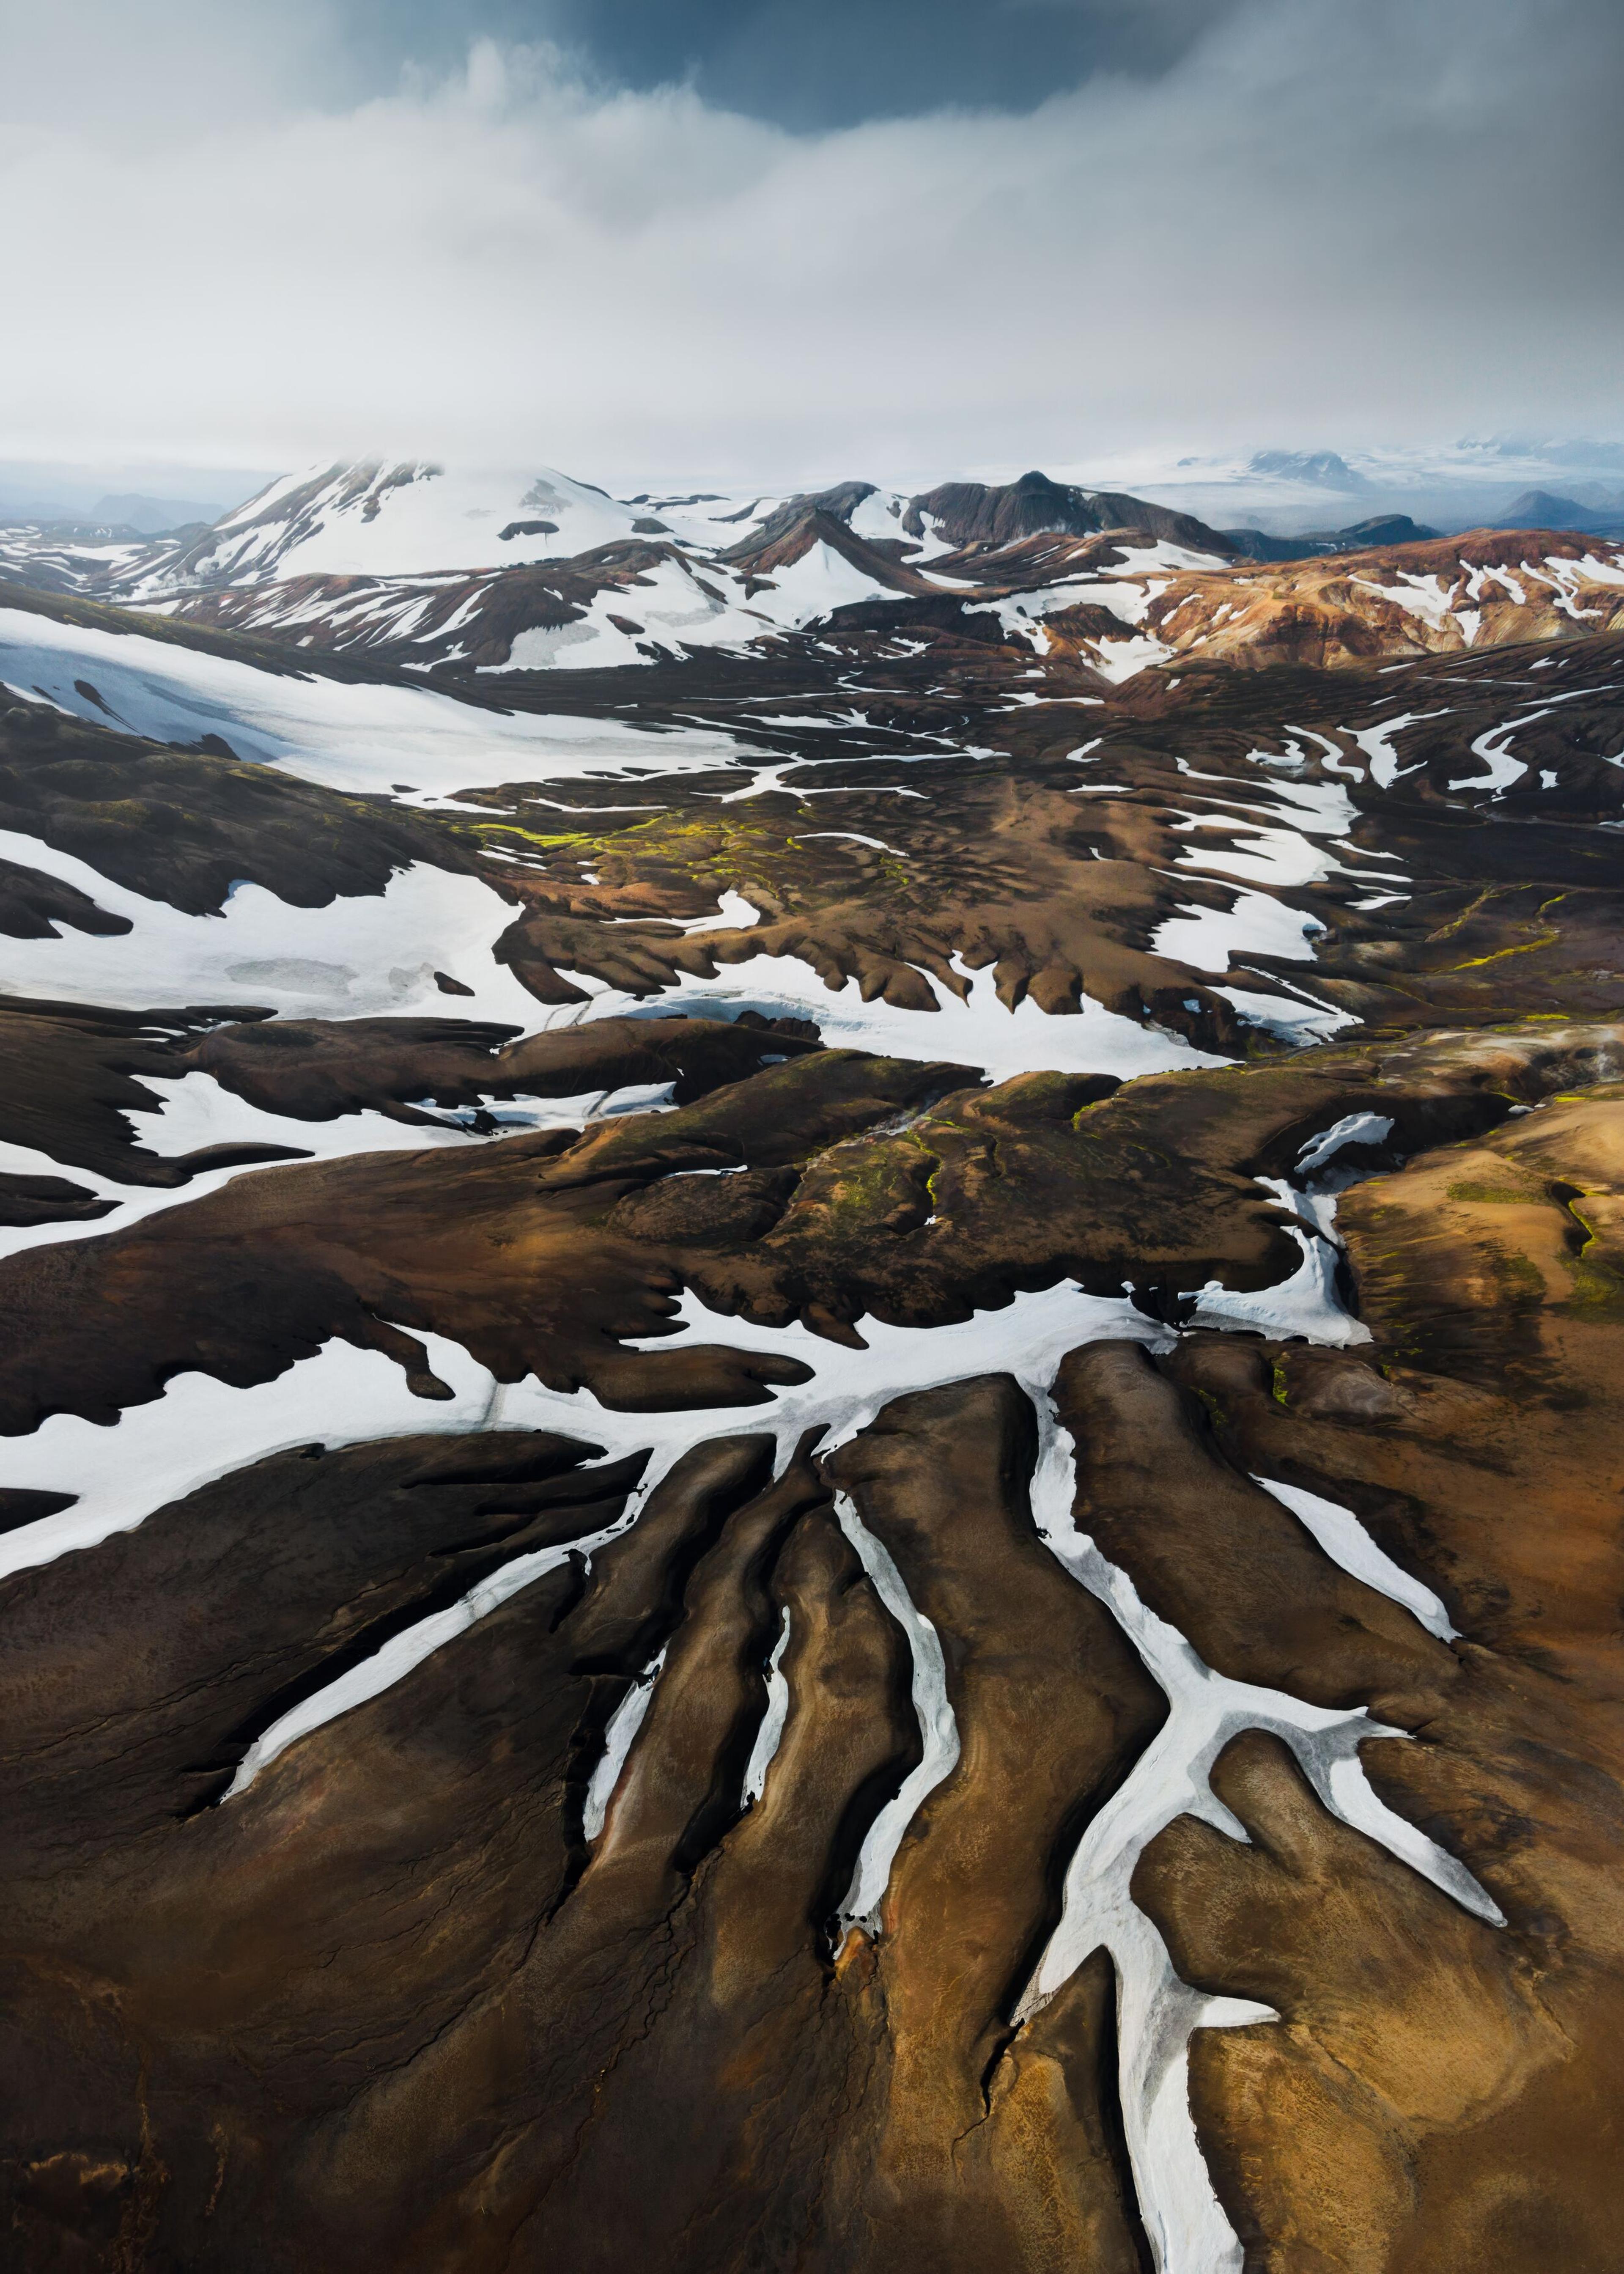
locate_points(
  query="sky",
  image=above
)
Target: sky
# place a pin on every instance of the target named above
(740, 240)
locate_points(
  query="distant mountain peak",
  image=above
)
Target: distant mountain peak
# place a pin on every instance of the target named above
(151, 516)
(1324, 468)
(1544, 509)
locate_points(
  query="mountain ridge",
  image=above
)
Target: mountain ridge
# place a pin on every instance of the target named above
(542, 572)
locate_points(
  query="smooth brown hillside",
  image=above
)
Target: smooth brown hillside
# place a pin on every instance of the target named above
(394, 2005)
(1441, 2093)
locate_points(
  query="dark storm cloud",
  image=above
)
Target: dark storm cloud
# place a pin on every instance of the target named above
(834, 63)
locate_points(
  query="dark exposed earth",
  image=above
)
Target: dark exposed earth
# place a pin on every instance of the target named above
(812, 1451)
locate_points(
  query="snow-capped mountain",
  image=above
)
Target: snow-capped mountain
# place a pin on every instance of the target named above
(375, 520)
(427, 569)
(441, 569)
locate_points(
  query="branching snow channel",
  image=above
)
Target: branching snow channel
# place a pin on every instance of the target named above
(1158, 2013)
(201, 1429)
(847, 1390)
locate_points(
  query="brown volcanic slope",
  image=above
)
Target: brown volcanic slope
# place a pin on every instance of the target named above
(599, 1786)
(918, 799)
(1486, 589)
(1055, 847)
(393, 2004)
(1450, 2096)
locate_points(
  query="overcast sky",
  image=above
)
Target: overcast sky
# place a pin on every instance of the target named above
(798, 239)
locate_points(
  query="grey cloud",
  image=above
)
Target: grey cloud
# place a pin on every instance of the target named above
(1315, 223)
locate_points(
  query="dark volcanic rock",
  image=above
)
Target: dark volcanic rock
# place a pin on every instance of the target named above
(972, 514)
(32, 907)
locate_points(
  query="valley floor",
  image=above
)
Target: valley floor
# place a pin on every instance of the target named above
(810, 1458)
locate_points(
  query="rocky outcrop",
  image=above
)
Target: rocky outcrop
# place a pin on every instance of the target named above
(971, 515)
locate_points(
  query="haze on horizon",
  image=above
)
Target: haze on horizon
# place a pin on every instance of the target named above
(735, 239)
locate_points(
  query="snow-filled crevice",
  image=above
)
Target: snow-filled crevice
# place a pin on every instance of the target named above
(1309, 1303)
(412, 1645)
(1340, 1534)
(1352, 1129)
(770, 1735)
(938, 1729)
(622, 1727)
